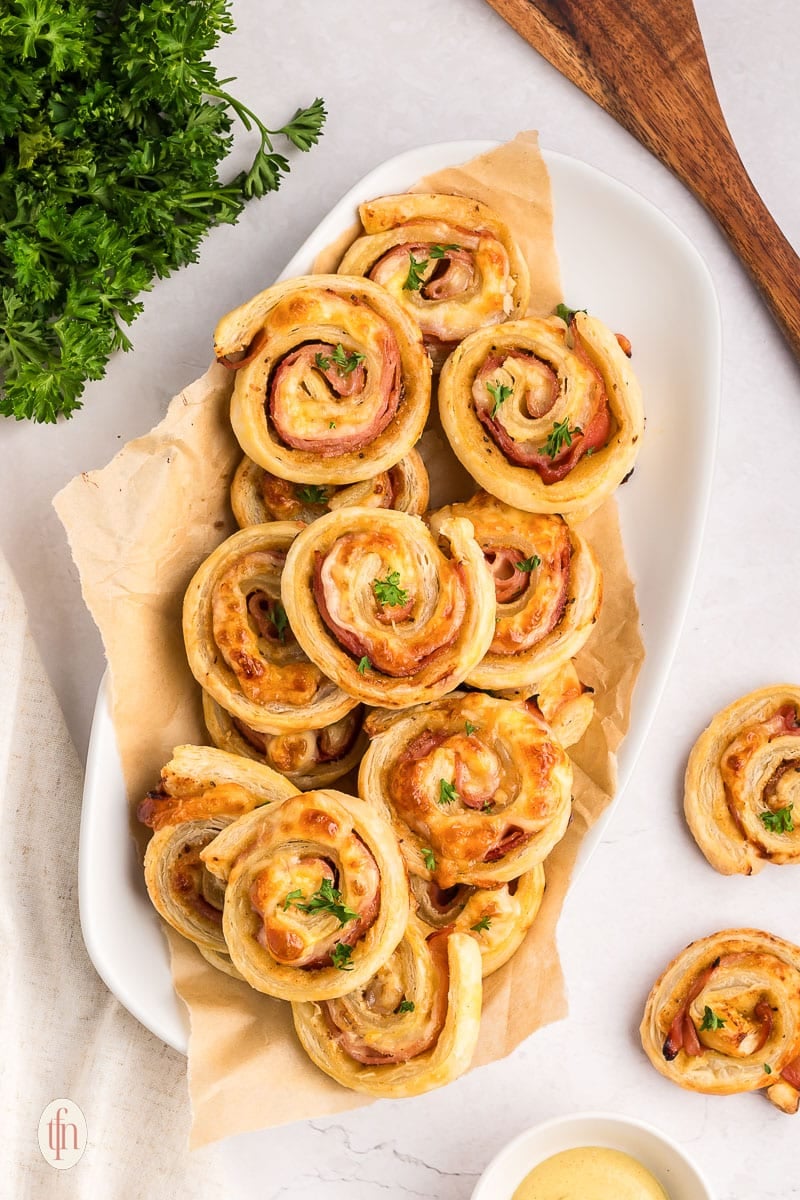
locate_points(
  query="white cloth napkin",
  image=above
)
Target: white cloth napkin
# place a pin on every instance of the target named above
(65, 1034)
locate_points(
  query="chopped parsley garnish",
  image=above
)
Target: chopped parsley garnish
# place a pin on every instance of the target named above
(488, 806)
(312, 493)
(430, 859)
(326, 899)
(779, 821)
(363, 665)
(768, 1068)
(528, 564)
(560, 436)
(499, 393)
(414, 279)
(484, 923)
(470, 728)
(331, 424)
(438, 251)
(296, 895)
(345, 363)
(388, 590)
(277, 614)
(711, 1020)
(566, 313)
(405, 1006)
(447, 792)
(340, 957)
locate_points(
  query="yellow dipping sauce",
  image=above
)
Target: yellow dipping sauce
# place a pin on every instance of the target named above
(590, 1173)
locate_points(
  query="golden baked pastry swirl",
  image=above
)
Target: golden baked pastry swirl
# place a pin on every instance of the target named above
(333, 382)
(548, 589)
(742, 790)
(725, 1017)
(475, 787)
(410, 1028)
(316, 897)
(561, 700)
(201, 792)
(546, 417)
(387, 612)
(450, 261)
(241, 645)
(257, 496)
(310, 758)
(497, 917)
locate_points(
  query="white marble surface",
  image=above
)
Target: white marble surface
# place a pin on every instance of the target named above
(395, 76)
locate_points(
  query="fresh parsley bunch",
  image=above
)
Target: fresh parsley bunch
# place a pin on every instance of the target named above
(112, 125)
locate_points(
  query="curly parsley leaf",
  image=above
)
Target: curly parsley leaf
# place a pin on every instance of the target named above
(388, 591)
(529, 564)
(711, 1020)
(341, 955)
(415, 277)
(429, 857)
(405, 1006)
(328, 899)
(560, 436)
(499, 393)
(485, 923)
(364, 665)
(439, 250)
(778, 821)
(447, 792)
(312, 493)
(113, 125)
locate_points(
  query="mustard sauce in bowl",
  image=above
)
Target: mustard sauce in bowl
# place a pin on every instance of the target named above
(590, 1173)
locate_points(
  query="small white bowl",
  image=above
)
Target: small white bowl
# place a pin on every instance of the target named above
(679, 1177)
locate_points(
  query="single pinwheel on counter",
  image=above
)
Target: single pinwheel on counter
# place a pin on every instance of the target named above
(332, 381)
(742, 789)
(548, 588)
(390, 610)
(315, 895)
(725, 1017)
(310, 758)
(544, 415)
(201, 792)
(476, 788)
(450, 261)
(241, 644)
(411, 1027)
(257, 496)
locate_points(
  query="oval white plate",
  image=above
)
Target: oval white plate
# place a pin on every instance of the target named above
(662, 1157)
(625, 261)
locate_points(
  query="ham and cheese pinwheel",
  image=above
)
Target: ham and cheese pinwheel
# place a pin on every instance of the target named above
(389, 613)
(450, 261)
(201, 792)
(742, 792)
(310, 758)
(548, 588)
(332, 383)
(545, 416)
(561, 700)
(498, 917)
(410, 1028)
(316, 897)
(725, 1017)
(241, 645)
(476, 788)
(257, 496)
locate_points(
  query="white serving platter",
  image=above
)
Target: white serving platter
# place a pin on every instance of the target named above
(630, 265)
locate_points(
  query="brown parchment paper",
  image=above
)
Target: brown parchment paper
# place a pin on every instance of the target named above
(139, 528)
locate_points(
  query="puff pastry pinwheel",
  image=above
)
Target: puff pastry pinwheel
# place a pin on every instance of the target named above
(725, 1017)
(498, 917)
(311, 758)
(548, 589)
(450, 261)
(316, 897)
(476, 788)
(241, 645)
(742, 791)
(386, 611)
(257, 496)
(547, 417)
(410, 1028)
(560, 699)
(201, 792)
(334, 382)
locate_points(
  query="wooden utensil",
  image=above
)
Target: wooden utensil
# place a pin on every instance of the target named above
(643, 61)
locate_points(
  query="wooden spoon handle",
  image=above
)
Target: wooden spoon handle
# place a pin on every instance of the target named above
(730, 196)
